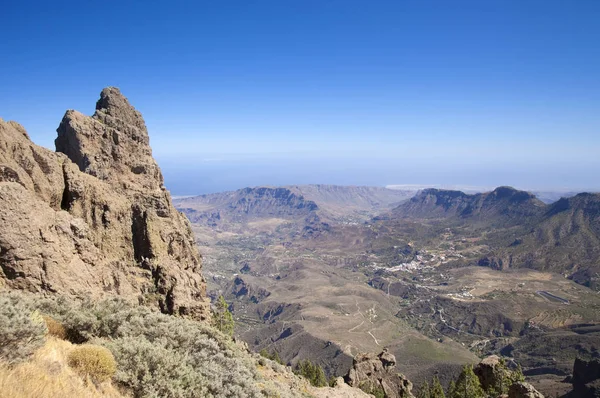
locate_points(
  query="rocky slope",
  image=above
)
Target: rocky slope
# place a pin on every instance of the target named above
(245, 205)
(565, 239)
(94, 218)
(504, 206)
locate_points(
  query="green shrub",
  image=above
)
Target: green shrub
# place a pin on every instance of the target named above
(158, 355)
(93, 361)
(437, 391)
(312, 372)
(222, 318)
(273, 357)
(151, 370)
(467, 385)
(22, 330)
(424, 391)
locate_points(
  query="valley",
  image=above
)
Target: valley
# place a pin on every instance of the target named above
(325, 272)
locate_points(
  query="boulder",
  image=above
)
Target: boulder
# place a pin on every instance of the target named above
(373, 373)
(488, 371)
(523, 390)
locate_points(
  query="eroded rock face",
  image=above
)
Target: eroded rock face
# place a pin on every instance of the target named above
(94, 218)
(373, 373)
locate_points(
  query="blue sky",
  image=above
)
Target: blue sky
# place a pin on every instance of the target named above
(239, 93)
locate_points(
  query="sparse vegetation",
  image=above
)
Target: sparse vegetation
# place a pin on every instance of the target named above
(273, 357)
(435, 391)
(467, 385)
(93, 361)
(156, 355)
(372, 388)
(55, 328)
(222, 317)
(23, 329)
(312, 372)
(424, 391)
(504, 378)
(46, 374)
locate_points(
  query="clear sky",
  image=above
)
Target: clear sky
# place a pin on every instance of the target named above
(239, 93)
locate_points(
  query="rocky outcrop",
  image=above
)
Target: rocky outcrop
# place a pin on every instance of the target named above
(377, 373)
(523, 390)
(489, 372)
(95, 219)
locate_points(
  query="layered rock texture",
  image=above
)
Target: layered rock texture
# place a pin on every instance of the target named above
(94, 218)
(377, 374)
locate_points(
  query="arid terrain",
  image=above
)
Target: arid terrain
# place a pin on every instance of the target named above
(325, 272)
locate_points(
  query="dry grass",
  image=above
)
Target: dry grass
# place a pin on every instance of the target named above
(47, 375)
(55, 328)
(93, 361)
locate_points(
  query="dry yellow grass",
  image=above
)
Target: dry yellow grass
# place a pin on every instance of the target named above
(47, 375)
(93, 361)
(55, 328)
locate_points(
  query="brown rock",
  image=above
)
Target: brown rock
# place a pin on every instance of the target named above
(523, 390)
(378, 373)
(488, 371)
(97, 221)
(37, 169)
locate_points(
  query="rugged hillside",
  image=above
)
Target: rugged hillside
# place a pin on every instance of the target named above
(94, 219)
(246, 204)
(503, 206)
(566, 240)
(512, 229)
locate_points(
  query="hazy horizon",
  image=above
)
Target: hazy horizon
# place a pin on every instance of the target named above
(188, 177)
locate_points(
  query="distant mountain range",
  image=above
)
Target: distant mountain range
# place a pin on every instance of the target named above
(291, 203)
(504, 205)
(547, 196)
(562, 237)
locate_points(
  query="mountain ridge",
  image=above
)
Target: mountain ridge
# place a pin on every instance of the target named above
(506, 205)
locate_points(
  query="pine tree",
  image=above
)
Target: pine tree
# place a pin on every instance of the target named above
(222, 317)
(451, 389)
(467, 385)
(264, 353)
(504, 378)
(424, 392)
(320, 378)
(437, 391)
(275, 357)
(312, 372)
